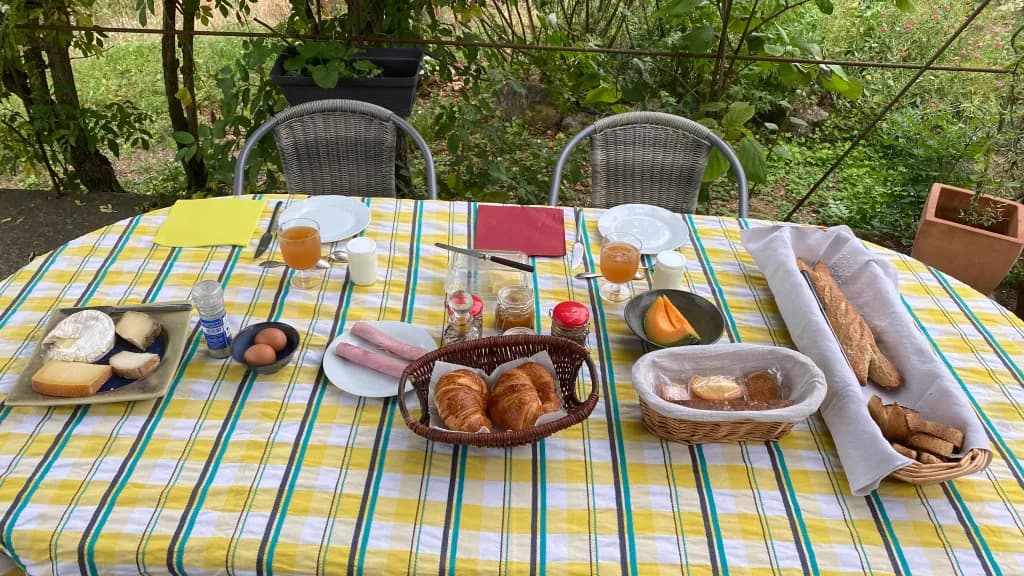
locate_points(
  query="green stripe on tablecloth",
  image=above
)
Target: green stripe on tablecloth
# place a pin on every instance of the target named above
(304, 445)
(897, 549)
(418, 231)
(458, 511)
(49, 261)
(979, 537)
(164, 403)
(951, 555)
(712, 509)
(684, 555)
(717, 287)
(429, 448)
(615, 424)
(542, 520)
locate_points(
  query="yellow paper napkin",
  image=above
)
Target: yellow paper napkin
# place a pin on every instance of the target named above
(210, 222)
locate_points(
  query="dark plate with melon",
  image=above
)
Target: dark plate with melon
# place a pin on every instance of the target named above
(669, 318)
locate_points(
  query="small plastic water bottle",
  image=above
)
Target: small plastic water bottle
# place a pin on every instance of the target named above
(209, 300)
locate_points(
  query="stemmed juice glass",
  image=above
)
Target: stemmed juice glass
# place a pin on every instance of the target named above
(300, 248)
(620, 259)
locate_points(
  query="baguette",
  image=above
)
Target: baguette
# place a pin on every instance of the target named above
(929, 443)
(853, 332)
(70, 379)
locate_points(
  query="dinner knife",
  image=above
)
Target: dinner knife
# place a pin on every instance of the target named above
(486, 256)
(152, 308)
(269, 234)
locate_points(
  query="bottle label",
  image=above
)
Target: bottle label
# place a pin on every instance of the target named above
(217, 332)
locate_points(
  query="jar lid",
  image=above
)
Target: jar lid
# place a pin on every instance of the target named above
(458, 297)
(518, 330)
(671, 259)
(570, 314)
(516, 296)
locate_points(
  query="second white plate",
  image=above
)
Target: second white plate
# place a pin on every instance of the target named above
(657, 228)
(362, 381)
(338, 217)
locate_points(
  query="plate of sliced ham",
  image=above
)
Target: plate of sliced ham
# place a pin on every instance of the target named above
(368, 358)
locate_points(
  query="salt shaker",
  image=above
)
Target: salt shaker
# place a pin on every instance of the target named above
(362, 261)
(461, 323)
(209, 300)
(668, 270)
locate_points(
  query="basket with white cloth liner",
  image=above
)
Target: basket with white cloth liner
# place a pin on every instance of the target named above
(871, 284)
(800, 382)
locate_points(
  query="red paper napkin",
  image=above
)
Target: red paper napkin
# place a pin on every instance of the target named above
(531, 230)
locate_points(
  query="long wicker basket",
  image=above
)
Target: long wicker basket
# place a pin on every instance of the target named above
(487, 354)
(694, 432)
(922, 474)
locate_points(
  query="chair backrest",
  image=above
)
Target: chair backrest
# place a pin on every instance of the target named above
(342, 147)
(650, 158)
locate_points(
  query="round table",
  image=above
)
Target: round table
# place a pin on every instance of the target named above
(287, 474)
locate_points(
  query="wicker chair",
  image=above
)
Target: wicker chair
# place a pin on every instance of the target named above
(342, 147)
(650, 158)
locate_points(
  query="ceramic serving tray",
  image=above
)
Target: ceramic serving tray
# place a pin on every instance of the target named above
(173, 317)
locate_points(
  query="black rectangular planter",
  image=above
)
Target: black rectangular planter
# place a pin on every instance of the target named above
(394, 89)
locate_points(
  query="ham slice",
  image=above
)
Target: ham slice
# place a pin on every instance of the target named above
(386, 342)
(372, 360)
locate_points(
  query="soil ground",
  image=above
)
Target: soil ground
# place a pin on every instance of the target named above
(33, 222)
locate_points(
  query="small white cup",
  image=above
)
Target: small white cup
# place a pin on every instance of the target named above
(362, 261)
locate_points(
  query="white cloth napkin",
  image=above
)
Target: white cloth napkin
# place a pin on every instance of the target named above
(871, 283)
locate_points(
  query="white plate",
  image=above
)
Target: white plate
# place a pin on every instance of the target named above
(657, 228)
(338, 217)
(362, 381)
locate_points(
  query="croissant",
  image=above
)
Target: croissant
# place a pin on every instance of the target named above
(522, 395)
(461, 399)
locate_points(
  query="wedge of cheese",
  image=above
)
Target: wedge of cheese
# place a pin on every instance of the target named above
(84, 336)
(138, 328)
(133, 365)
(70, 379)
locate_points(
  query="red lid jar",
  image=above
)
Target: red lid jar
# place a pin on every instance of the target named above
(571, 320)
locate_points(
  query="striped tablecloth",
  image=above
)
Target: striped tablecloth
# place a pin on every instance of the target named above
(285, 474)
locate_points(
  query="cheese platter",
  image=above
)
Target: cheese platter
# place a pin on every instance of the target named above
(104, 354)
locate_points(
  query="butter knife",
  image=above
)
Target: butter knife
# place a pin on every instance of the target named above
(269, 234)
(485, 256)
(152, 308)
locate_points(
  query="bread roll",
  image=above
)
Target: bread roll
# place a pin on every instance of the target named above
(461, 400)
(522, 395)
(762, 386)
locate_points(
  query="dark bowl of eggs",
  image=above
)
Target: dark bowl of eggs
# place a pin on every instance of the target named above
(265, 347)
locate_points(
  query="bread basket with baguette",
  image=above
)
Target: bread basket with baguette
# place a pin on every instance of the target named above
(843, 308)
(486, 354)
(800, 383)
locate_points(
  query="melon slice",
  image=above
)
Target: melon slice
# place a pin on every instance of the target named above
(665, 325)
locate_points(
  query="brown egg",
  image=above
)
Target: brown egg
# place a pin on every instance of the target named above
(273, 337)
(259, 355)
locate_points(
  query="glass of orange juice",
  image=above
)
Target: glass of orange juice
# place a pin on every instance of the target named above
(620, 259)
(300, 248)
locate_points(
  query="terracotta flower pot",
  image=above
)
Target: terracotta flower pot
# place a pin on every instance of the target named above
(979, 257)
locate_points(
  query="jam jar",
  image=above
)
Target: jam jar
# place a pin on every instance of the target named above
(571, 320)
(514, 308)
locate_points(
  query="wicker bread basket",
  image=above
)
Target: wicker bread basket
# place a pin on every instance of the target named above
(487, 354)
(922, 474)
(802, 382)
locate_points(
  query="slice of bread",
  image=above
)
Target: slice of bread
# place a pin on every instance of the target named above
(947, 433)
(70, 379)
(912, 454)
(762, 386)
(929, 443)
(138, 328)
(133, 365)
(926, 458)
